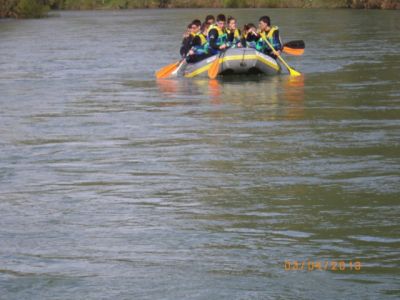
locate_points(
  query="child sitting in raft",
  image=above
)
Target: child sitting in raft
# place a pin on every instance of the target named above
(200, 48)
(199, 44)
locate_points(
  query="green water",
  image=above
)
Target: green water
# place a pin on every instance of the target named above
(115, 185)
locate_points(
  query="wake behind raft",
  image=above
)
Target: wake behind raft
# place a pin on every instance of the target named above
(232, 61)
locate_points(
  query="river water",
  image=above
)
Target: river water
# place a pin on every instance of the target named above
(115, 185)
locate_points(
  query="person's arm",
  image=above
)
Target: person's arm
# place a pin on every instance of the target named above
(183, 47)
(195, 42)
(253, 36)
(187, 45)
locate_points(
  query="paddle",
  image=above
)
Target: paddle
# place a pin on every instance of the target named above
(294, 47)
(291, 51)
(299, 44)
(214, 68)
(292, 71)
(183, 63)
(166, 71)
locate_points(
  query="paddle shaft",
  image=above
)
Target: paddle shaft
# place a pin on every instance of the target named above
(182, 62)
(291, 71)
(214, 68)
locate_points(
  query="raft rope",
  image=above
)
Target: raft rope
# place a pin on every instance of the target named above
(242, 63)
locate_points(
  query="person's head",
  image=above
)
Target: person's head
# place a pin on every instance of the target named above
(210, 20)
(204, 28)
(250, 27)
(196, 24)
(264, 23)
(221, 19)
(232, 24)
(188, 30)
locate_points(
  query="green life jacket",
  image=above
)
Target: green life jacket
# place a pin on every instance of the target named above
(222, 36)
(270, 38)
(203, 48)
(255, 44)
(236, 36)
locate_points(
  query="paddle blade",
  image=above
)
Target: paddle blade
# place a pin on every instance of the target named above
(292, 51)
(293, 72)
(214, 69)
(295, 44)
(164, 72)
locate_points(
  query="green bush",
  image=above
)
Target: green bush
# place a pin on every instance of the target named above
(7, 8)
(31, 9)
(118, 4)
(80, 4)
(231, 3)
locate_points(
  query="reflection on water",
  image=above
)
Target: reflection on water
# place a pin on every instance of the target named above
(283, 94)
(115, 185)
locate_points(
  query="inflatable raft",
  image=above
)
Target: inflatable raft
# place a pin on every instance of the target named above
(235, 61)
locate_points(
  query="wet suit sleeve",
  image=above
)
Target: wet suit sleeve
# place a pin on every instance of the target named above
(182, 49)
(186, 45)
(213, 36)
(253, 37)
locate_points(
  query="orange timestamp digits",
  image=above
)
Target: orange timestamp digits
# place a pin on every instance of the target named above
(327, 265)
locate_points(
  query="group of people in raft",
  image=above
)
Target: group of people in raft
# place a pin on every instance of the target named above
(202, 40)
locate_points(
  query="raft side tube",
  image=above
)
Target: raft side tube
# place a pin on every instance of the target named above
(236, 61)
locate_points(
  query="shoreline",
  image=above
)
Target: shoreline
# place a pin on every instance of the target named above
(40, 8)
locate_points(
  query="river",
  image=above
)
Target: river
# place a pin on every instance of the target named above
(116, 185)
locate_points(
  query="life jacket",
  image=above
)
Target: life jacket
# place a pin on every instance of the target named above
(270, 38)
(203, 48)
(222, 36)
(255, 44)
(236, 36)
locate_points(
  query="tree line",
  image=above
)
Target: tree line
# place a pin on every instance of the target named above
(40, 8)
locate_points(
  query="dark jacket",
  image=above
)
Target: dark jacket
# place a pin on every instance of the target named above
(186, 45)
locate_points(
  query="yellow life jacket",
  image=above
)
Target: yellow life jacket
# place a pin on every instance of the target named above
(270, 34)
(236, 35)
(203, 39)
(213, 26)
(203, 48)
(222, 36)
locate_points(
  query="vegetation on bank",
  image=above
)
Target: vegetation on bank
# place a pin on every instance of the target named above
(39, 8)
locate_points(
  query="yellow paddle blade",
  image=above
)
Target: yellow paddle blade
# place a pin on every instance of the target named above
(214, 69)
(164, 72)
(293, 72)
(292, 51)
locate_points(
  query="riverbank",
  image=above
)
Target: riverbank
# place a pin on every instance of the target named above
(40, 8)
